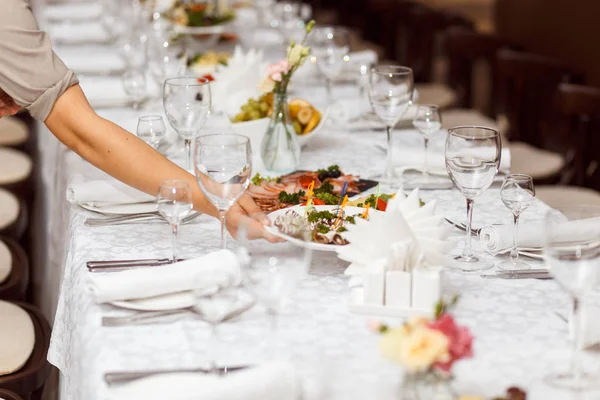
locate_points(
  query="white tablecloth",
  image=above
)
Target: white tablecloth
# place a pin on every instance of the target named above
(518, 337)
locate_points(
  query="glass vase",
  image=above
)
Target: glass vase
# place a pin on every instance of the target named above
(426, 386)
(280, 151)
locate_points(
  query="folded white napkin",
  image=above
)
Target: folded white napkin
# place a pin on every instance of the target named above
(72, 11)
(98, 61)
(106, 193)
(497, 238)
(77, 33)
(220, 267)
(274, 381)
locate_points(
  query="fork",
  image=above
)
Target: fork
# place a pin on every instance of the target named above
(125, 219)
(463, 227)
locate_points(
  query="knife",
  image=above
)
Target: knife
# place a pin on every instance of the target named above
(530, 274)
(117, 265)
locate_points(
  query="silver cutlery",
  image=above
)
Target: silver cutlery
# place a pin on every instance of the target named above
(463, 227)
(541, 273)
(115, 378)
(132, 218)
(119, 265)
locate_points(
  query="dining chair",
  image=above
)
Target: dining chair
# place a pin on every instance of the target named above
(13, 215)
(8, 395)
(28, 382)
(13, 132)
(14, 270)
(16, 172)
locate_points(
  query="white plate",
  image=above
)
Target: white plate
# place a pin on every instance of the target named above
(349, 210)
(171, 301)
(121, 209)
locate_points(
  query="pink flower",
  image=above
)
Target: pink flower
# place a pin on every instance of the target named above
(284, 66)
(375, 326)
(276, 76)
(459, 337)
(275, 71)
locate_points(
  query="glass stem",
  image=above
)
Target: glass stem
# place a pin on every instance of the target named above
(273, 343)
(188, 154)
(425, 164)
(467, 252)
(213, 344)
(388, 165)
(175, 228)
(514, 253)
(223, 217)
(577, 340)
(330, 90)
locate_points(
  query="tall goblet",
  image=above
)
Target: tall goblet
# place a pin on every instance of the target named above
(472, 161)
(187, 102)
(572, 252)
(517, 194)
(223, 166)
(174, 202)
(330, 46)
(390, 93)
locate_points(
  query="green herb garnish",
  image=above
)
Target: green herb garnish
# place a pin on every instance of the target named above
(325, 187)
(328, 198)
(293, 198)
(350, 218)
(321, 215)
(258, 179)
(321, 228)
(341, 229)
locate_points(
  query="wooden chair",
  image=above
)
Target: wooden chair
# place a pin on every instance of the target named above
(29, 381)
(13, 215)
(16, 171)
(13, 132)
(14, 287)
(7, 395)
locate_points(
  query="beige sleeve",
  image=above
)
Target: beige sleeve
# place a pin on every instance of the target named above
(30, 72)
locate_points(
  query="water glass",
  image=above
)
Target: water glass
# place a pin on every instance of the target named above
(133, 51)
(472, 161)
(223, 167)
(517, 194)
(152, 130)
(572, 253)
(428, 121)
(390, 93)
(174, 202)
(330, 46)
(167, 56)
(135, 86)
(187, 102)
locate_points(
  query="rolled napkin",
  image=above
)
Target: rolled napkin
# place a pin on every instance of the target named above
(106, 193)
(210, 270)
(498, 238)
(274, 381)
(72, 11)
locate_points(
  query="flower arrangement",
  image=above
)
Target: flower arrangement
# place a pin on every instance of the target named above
(280, 74)
(428, 347)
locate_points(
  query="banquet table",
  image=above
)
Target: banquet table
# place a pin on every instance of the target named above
(518, 337)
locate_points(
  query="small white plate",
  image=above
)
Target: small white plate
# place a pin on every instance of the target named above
(349, 210)
(121, 209)
(171, 301)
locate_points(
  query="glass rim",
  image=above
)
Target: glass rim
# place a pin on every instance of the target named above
(243, 139)
(428, 106)
(174, 183)
(454, 132)
(197, 81)
(155, 117)
(517, 176)
(395, 70)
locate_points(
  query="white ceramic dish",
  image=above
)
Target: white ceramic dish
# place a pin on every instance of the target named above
(171, 301)
(300, 210)
(121, 209)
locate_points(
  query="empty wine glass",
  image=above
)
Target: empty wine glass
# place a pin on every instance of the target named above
(272, 272)
(288, 19)
(472, 161)
(187, 102)
(427, 120)
(174, 202)
(330, 46)
(223, 166)
(135, 86)
(167, 56)
(517, 194)
(572, 253)
(133, 50)
(390, 94)
(152, 130)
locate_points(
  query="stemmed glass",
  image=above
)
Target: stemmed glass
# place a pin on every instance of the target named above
(288, 19)
(427, 120)
(223, 166)
(390, 94)
(472, 161)
(135, 86)
(167, 56)
(331, 46)
(152, 130)
(272, 272)
(517, 194)
(572, 252)
(187, 102)
(174, 202)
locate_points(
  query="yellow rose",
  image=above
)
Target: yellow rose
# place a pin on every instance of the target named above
(416, 348)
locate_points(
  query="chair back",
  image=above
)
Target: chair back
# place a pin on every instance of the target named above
(7, 395)
(580, 105)
(15, 285)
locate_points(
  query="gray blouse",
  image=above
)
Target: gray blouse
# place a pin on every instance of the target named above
(30, 72)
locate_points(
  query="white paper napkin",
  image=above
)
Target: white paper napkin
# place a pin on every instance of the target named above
(497, 238)
(106, 193)
(212, 269)
(72, 11)
(274, 381)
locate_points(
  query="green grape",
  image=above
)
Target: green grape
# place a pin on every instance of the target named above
(252, 102)
(246, 108)
(254, 115)
(297, 127)
(264, 107)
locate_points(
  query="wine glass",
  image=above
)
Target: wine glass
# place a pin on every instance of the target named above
(472, 161)
(187, 102)
(152, 130)
(288, 19)
(272, 272)
(133, 51)
(330, 46)
(174, 202)
(390, 94)
(517, 194)
(135, 86)
(223, 166)
(428, 121)
(167, 56)
(572, 253)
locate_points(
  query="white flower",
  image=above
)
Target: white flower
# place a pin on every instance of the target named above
(297, 54)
